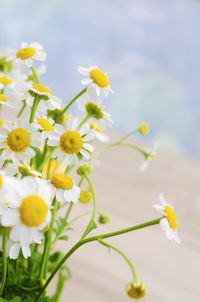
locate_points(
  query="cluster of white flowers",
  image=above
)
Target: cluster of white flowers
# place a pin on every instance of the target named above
(34, 123)
(37, 129)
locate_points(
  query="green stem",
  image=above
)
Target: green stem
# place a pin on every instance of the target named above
(47, 247)
(73, 100)
(22, 108)
(35, 76)
(34, 108)
(86, 118)
(95, 238)
(133, 271)
(4, 261)
(88, 228)
(126, 136)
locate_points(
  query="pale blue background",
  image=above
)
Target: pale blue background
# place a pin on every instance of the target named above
(150, 48)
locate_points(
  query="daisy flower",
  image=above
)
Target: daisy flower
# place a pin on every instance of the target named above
(27, 213)
(17, 139)
(149, 156)
(5, 80)
(66, 191)
(169, 222)
(98, 133)
(50, 101)
(96, 80)
(45, 124)
(70, 142)
(28, 52)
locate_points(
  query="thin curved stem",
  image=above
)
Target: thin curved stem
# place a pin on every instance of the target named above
(88, 228)
(4, 261)
(73, 100)
(22, 108)
(34, 108)
(85, 119)
(133, 271)
(94, 238)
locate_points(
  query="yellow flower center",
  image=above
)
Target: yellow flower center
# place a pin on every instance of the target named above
(62, 181)
(95, 127)
(85, 196)
(143, 128)
(136, 290)
(3, 98)
(5, 81)
(26, 53)
(1, 180)
(45, 124)
(1, 122)
(18, 140)
(171, 217)
(33, 211)
(41, 89)
(99, 78)
(71, 142)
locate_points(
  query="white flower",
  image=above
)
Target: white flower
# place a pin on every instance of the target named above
(149, 156)
(49, 101)
(98, 133)
(27, 212)
(96, 80)
(66, 190)
(28, 52)
(169, 222)
(17, 140)
(70, 142)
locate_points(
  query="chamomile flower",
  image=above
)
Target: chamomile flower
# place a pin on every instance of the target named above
(27, 212)
(96, 80)
(66, 190)
(70, 142)
(149, 156)
(169, 222)
(17, 139)
(5, 80)
(45, 124)
(98, 133)
(50, 101)
(28, 52)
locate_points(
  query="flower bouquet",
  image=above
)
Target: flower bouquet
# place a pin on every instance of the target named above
(46, 164)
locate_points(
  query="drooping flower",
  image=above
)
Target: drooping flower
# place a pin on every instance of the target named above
(96, 80)
(169, 222)
(26, 212)
(66, 190)
(70, 142)
(17, 139)
(136, 290)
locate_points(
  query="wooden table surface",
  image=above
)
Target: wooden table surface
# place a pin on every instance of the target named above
(171, 271)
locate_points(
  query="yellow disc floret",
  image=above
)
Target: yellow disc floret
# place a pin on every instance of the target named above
(171, 217)
(33, 211)
(143, 128)
(18, 139)
(62, 181)
(85, 196)
(41, 89)
(71, 142)
(45, 124)
(3, 98)
(136, 290)
(1, 180)
(99, 78)
(95, 127)
(26, 53)
(5, 81)
(1, 122)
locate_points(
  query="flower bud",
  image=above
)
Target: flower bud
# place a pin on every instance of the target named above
(85, 196)
(85, 168)
(104, 218)
(136, 290)
(143, 128)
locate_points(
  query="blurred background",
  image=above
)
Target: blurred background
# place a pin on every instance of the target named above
(150, 50)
